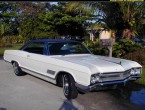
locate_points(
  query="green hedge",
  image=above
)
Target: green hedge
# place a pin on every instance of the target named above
(138, 56)
(120, 49)
(142, 79)
(96, 48)
(123, 47)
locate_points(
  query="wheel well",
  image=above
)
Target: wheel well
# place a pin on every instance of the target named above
(59, 80)
(13, 62)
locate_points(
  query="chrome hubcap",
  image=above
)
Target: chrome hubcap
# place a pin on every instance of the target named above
(65, 85)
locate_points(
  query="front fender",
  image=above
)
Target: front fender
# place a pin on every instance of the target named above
(79, 77)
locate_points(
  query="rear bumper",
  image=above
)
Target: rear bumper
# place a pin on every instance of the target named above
(94, 86)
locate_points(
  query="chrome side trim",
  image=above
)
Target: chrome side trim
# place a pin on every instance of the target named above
(39, 75)
(50, 72)
(7, 61)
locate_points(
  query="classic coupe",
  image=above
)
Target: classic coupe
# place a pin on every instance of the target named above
(71, 65)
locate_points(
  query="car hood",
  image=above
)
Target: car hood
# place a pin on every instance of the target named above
(100, 64)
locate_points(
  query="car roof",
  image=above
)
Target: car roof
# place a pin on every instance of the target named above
(52, 40)
(48, 40)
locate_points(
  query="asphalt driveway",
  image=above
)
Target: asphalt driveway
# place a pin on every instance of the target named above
(31, 93)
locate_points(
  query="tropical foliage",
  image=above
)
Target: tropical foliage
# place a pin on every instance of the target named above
(39, 20)
(22, 21)
(117, 16)
(120, 49)
(44, 20)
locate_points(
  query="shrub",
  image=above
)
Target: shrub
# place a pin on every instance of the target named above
(2, 44)
(8, 41)
(138, 56)
(96, 48)
(120, 49)
(12, 39)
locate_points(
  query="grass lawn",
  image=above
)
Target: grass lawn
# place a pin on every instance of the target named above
(142, 79)
(16, 46)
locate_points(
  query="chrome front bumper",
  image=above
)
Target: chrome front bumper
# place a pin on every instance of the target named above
(116, 82)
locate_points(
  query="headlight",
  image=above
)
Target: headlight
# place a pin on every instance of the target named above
(135, 71)
(132, 72)
(94, 78)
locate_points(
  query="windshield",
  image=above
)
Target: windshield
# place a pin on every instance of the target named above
(67, 48)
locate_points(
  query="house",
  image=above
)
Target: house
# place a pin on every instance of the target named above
(93, 31)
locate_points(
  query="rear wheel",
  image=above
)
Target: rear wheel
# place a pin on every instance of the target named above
(69, 88)
(17, 69)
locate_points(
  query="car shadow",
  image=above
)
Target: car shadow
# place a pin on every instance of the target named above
(125, 92)
(132, 92)
(1, 108)
(1, 57)
(126, 97)
(68, 105)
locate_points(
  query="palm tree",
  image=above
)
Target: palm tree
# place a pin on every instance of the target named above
(117, 16)
(132, 14)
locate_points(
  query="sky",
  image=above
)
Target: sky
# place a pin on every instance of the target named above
(53, 3)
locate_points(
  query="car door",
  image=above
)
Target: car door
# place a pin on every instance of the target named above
(36, 57)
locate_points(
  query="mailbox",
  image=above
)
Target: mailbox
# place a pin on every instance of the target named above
(105, 38)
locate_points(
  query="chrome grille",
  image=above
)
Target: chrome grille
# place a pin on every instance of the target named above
(114, 76)
(126, 74)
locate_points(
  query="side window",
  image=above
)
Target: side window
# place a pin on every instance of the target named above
(35, 47)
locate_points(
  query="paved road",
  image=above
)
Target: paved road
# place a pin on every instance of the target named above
(30, 93)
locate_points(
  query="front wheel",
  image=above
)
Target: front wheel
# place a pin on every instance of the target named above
(69, 88)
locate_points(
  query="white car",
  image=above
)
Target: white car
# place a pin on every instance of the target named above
(71, 65)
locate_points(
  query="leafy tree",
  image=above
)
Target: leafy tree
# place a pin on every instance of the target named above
(6, 18)
(62, 22)
(27, 17)
(115, 15)
(39, 20)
